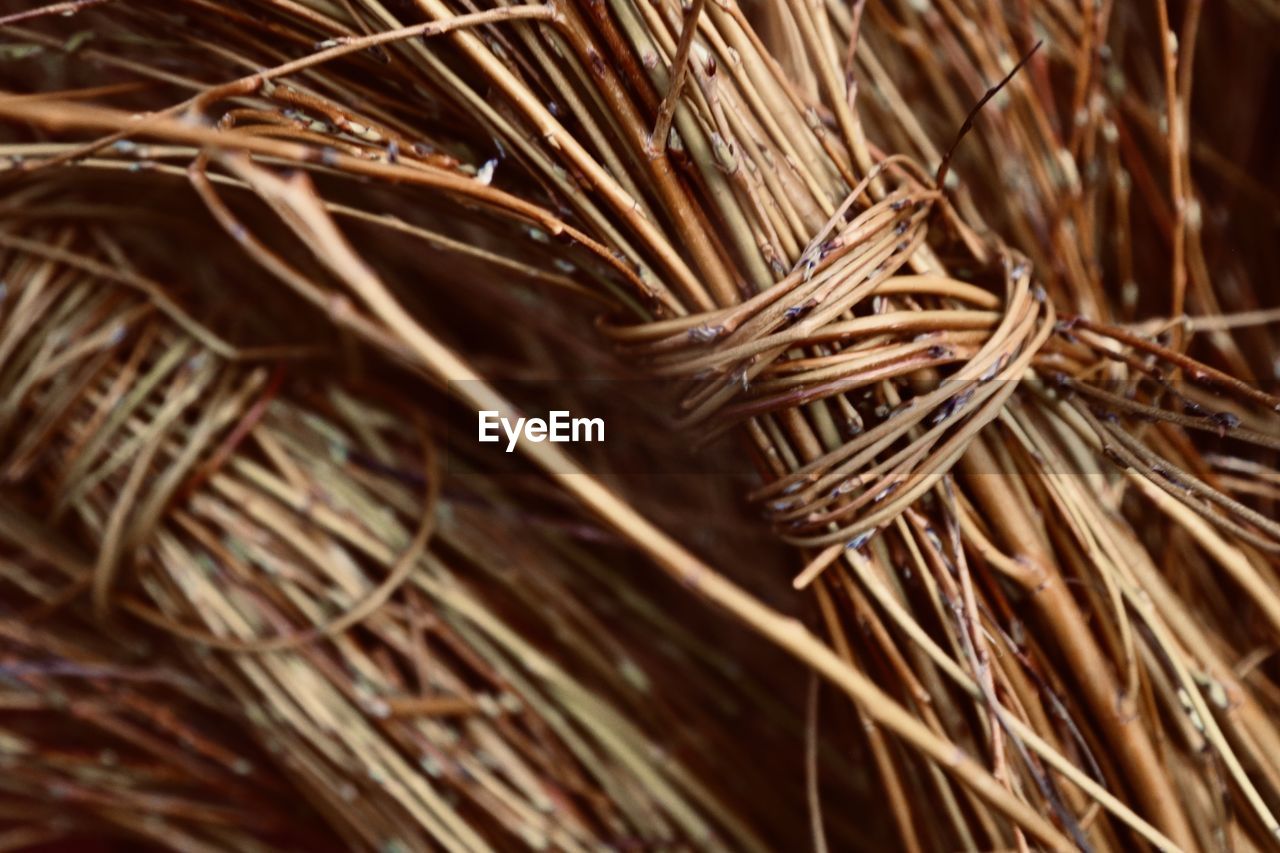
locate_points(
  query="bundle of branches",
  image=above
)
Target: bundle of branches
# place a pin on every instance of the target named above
(424, 669)
(1008, 394)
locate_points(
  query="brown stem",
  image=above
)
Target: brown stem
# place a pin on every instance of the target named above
(667, 111)
(1134, 752)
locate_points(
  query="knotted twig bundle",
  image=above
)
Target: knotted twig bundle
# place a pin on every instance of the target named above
(1032, 497)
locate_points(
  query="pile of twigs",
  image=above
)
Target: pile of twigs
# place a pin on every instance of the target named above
(381, 643)
(1010, 394)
